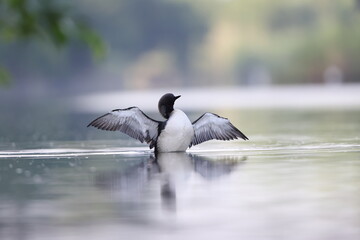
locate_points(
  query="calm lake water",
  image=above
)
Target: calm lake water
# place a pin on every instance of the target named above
(297, 178)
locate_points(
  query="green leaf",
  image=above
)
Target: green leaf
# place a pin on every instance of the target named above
(93, 40)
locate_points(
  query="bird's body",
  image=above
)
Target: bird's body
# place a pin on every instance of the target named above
(175, 134)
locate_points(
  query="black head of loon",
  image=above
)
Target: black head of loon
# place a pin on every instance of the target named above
(166, 104)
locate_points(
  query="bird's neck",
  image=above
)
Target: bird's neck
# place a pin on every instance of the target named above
(166, 111)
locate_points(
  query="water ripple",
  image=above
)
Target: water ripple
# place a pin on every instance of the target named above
(248, 150)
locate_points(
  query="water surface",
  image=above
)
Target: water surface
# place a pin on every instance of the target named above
(297, 178)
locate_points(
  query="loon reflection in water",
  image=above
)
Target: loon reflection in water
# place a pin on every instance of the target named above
(171, 168)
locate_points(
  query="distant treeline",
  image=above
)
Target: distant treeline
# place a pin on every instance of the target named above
(189, 43)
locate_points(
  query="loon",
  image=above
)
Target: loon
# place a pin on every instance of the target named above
(175, 134)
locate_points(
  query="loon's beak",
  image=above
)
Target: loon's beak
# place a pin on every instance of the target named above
(177, 97)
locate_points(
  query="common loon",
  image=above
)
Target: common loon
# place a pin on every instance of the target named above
(175, 134)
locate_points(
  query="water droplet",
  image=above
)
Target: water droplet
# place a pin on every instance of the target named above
(27, 173)
(37, 179)
(92, 169)
(19, 171)
(10, 165)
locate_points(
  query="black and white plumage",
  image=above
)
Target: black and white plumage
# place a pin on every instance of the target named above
(211, 126)
(131, 121)
(174, 134)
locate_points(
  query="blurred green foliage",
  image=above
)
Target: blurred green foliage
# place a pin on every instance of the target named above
(292, 41)
(180, 42)
(24, 20)
(4, 76)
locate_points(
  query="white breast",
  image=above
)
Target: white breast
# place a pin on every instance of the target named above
(177, 134)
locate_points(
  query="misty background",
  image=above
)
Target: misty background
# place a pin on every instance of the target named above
(61, 59)
(151, 44)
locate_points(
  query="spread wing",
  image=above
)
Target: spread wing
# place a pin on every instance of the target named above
(211, 126)
(131, 121)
